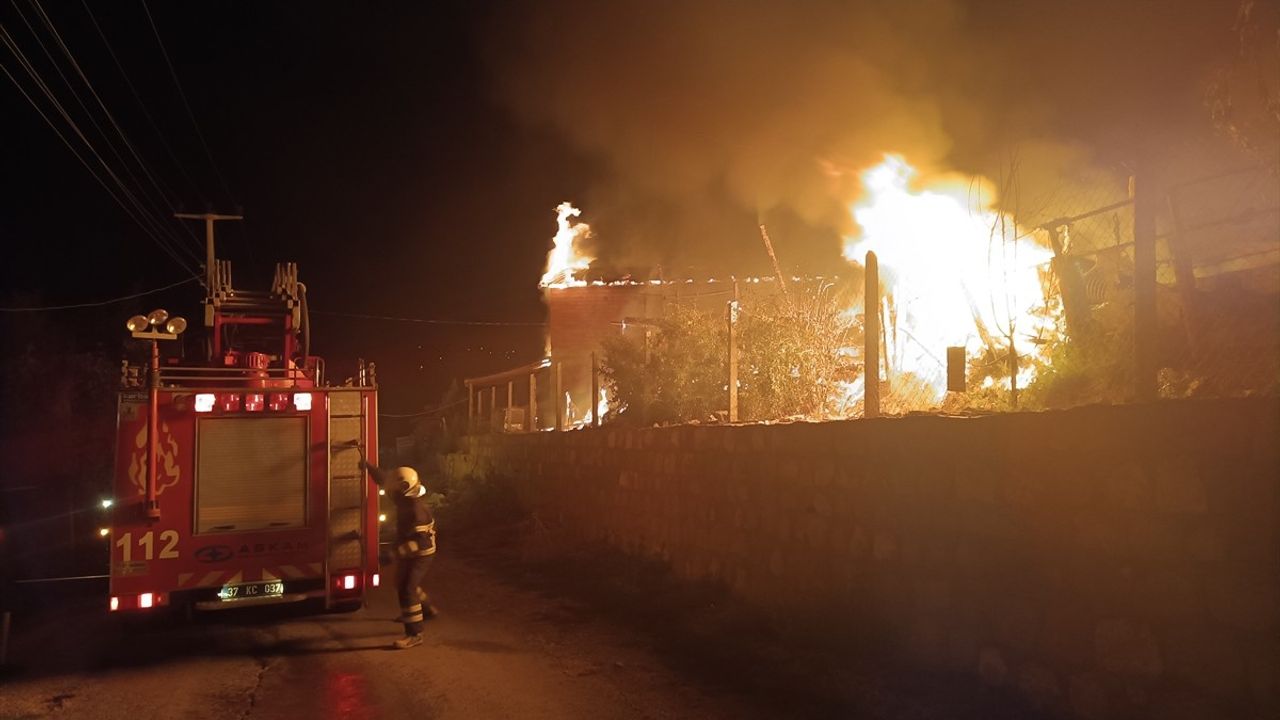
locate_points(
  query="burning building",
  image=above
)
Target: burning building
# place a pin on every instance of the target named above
(557, 391)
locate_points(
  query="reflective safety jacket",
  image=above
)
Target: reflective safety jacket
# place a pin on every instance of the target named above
(415, 526)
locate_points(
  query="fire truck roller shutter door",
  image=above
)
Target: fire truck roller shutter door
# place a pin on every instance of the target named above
(251, 473)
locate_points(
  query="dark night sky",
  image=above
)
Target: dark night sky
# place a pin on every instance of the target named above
(409, 158)
(360, 143)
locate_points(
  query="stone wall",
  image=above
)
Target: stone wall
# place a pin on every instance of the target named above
(1105, 561)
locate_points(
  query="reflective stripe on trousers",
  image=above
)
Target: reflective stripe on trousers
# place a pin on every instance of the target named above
(411, 613)
(412, 571)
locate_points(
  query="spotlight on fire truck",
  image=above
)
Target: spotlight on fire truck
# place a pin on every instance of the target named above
(302, 401)
(156, 325)
(146, 600)
(205, 401)
(107, 503)
(103, 532)
(115, 603)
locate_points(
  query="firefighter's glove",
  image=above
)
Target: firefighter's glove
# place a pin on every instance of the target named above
(407, 549)
(422, 545)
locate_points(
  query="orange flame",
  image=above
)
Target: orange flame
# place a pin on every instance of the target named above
(565, 260)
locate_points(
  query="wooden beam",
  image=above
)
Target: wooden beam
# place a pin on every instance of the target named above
(557, 391)
(871, 339)
(532, 424)
(595, 390)
(732, 360)
(1145, 328)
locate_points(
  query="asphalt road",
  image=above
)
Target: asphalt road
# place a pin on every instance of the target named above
(514, 640)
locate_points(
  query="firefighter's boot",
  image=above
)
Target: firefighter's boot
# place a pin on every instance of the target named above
(407, 642)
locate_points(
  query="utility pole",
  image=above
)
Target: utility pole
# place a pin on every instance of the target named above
(1184, 271)
(209, 219)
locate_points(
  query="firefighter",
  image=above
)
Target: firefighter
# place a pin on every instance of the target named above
(415, 547)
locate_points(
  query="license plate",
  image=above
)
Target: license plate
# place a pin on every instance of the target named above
(247, 591)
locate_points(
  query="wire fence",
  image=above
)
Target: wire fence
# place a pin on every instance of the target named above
(1213, 322)
(1211, 280)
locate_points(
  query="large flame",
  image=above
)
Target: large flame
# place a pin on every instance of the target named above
(566, 260)
(601, 409)
(954, 272)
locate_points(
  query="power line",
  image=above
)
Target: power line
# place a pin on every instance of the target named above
(432, 321)
(174, 74)
(424, 413)
(127, 210)
(137, 213)
(142, 105)
(100, 303)
(66, 51)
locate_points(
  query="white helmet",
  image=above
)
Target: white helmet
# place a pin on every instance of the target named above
(407, 481)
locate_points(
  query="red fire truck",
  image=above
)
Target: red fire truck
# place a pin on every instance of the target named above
(237, 476)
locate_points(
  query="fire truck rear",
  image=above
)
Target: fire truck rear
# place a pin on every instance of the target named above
(237, 477)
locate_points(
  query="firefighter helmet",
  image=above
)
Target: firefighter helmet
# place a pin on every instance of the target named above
(407, 481)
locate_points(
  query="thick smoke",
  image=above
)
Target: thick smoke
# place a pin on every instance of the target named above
(712, 115)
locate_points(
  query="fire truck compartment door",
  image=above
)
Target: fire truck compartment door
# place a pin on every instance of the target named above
(251, 474)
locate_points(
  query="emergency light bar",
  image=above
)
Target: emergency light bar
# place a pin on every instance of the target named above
(252, 402)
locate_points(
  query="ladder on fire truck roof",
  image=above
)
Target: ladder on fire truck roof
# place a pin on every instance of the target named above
(285, 305)
(283, 298)
(348, 489)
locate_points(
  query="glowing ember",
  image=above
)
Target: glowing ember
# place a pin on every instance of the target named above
(566, 260)
(955, 272)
